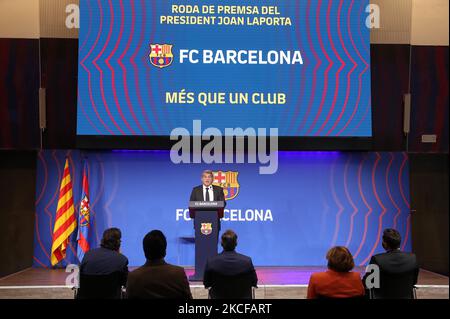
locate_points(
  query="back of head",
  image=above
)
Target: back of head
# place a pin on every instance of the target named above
(391, 239)
(340, 259)
(111, 239)
(155, 245)
(229, 240)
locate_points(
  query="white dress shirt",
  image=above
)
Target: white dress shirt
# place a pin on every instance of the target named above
(211, 192)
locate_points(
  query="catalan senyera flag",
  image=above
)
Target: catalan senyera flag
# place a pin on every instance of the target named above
(83, 217)
(65, 221)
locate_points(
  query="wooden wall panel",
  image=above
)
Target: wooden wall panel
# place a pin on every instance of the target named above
(19, 94)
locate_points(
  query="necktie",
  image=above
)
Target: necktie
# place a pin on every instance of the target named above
(207, 194)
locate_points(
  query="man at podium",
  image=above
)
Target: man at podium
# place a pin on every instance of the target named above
(207, 191)
(206, 208)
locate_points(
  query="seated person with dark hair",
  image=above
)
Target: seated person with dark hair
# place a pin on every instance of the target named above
(398, 270)
(230, 274)
(107, 259)
(156, 278)
(338, 281)
(104, 270)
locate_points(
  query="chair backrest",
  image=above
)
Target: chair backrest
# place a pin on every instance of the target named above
(395, 285)
(361, 297)
(100, 286)
(231, 287)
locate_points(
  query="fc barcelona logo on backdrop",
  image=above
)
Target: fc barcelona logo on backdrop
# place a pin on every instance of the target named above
(161, 55)
(228, 181)
(206, 228)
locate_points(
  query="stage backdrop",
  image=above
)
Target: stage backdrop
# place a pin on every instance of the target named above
(315, 201)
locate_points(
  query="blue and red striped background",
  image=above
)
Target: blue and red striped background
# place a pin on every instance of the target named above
(317, 200)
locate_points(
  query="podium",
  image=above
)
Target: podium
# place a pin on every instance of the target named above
(206, 217)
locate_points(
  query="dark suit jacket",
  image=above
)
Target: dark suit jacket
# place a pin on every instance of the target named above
(103, 261)
(197, 194)
(228, 264)
(398, 274)
(158, 279)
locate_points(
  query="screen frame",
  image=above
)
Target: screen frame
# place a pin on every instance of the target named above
(285, 143)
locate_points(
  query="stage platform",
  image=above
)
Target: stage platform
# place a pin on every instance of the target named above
(274, 283)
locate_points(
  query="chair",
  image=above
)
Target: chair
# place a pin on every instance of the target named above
(372, 293)
(232, 287)
(101, 286)
(362, 297)
(395, 286)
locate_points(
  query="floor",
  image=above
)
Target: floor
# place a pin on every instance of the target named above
(273, 282)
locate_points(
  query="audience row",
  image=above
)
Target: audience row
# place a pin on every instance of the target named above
(392, 274)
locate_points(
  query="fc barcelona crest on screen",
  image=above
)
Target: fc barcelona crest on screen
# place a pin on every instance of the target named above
(161, 55)
(206, 228)
(228, 181)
